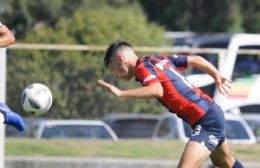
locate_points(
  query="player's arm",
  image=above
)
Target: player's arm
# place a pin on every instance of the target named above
(6, 36)
(153, 90)
(222, 83)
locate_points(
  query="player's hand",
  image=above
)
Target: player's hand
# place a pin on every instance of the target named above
(111, 88)
(223, 84)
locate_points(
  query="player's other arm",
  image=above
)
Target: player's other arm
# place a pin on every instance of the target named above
(202, 64)
(153, 90)
(6, 36)
(222, 83)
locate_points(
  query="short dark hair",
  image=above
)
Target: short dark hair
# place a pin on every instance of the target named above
(112, 49)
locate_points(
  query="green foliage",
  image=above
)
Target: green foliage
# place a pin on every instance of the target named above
(24, 15)
(251, 16)
(72, 75)
(204, 15)
(178, 15)
(235, 19)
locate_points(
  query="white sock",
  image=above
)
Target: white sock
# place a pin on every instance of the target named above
(2, 118)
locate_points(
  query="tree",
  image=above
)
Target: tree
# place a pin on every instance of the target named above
(72, 75)
(24, 15)
(251, 16)
(205, 16)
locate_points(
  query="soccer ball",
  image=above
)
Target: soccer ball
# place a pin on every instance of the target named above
(36, 99)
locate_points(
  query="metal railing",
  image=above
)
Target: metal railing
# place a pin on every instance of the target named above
(72, 47)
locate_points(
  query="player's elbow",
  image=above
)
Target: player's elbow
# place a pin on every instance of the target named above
(11, 39)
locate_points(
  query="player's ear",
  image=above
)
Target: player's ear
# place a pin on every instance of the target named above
(121, 58)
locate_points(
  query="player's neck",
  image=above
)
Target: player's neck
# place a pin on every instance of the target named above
(135, 60)
(133, 63)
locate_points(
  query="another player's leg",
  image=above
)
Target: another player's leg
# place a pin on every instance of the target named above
(7, 116)
(194, 154)
(222, 157)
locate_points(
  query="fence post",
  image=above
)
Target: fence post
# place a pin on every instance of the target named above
(2, 100)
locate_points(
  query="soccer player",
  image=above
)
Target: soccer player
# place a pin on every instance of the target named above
(7, 116)
(161, 80)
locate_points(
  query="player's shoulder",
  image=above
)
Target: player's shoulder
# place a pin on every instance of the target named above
(144, 64)
(159, 57)
(150, 61)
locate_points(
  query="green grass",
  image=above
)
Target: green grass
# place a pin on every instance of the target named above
(145, 149)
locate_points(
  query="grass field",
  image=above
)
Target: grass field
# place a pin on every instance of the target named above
(142, 149)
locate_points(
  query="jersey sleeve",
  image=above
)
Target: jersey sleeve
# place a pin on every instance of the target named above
(1, 25)
(146, 74)
(179, 61)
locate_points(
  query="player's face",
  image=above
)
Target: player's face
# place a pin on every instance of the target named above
(119, 68)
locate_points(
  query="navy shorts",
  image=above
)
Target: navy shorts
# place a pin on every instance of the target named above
(210, 130)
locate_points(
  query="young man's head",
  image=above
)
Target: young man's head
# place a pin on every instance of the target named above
(121, 59)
